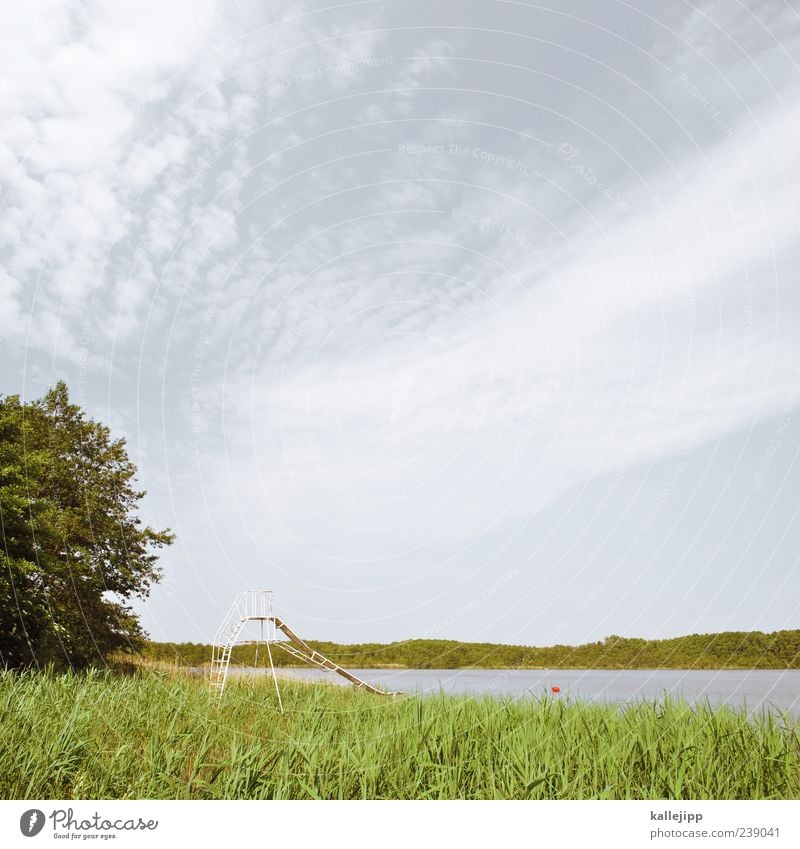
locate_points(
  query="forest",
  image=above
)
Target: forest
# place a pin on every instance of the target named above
(726, 650)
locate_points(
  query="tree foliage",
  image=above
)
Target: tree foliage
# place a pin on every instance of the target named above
(74, 548)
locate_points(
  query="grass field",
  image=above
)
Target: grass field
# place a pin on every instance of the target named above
(158, 735)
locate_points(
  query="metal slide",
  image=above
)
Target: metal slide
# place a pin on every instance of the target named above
(299, 649)
(256, 605)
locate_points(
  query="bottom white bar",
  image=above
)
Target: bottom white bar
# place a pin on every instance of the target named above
(399, 824)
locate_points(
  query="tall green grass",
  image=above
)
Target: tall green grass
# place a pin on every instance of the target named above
(155, 735)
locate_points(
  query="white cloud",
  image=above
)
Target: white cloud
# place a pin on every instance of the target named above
(657, 332)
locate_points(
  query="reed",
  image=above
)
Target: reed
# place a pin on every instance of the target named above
(157, 734)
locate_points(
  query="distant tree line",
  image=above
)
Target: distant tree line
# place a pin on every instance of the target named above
(727, 650)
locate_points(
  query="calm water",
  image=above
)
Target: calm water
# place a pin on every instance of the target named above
(774, 689)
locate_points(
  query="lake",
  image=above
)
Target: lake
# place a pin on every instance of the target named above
(775, 689)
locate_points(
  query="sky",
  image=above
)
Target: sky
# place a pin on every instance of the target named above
(467, 321)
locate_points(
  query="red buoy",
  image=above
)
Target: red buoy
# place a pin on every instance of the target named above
(556, 689)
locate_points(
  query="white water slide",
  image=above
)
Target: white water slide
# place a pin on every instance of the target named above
(256, 606)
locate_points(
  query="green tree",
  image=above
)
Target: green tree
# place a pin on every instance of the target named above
(74, 547)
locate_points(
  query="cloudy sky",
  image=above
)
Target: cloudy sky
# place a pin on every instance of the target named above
(475, 321)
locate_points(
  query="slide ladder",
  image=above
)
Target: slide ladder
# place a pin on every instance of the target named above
(240, 612)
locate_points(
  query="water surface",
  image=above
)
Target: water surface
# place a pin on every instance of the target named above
(774, 689)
